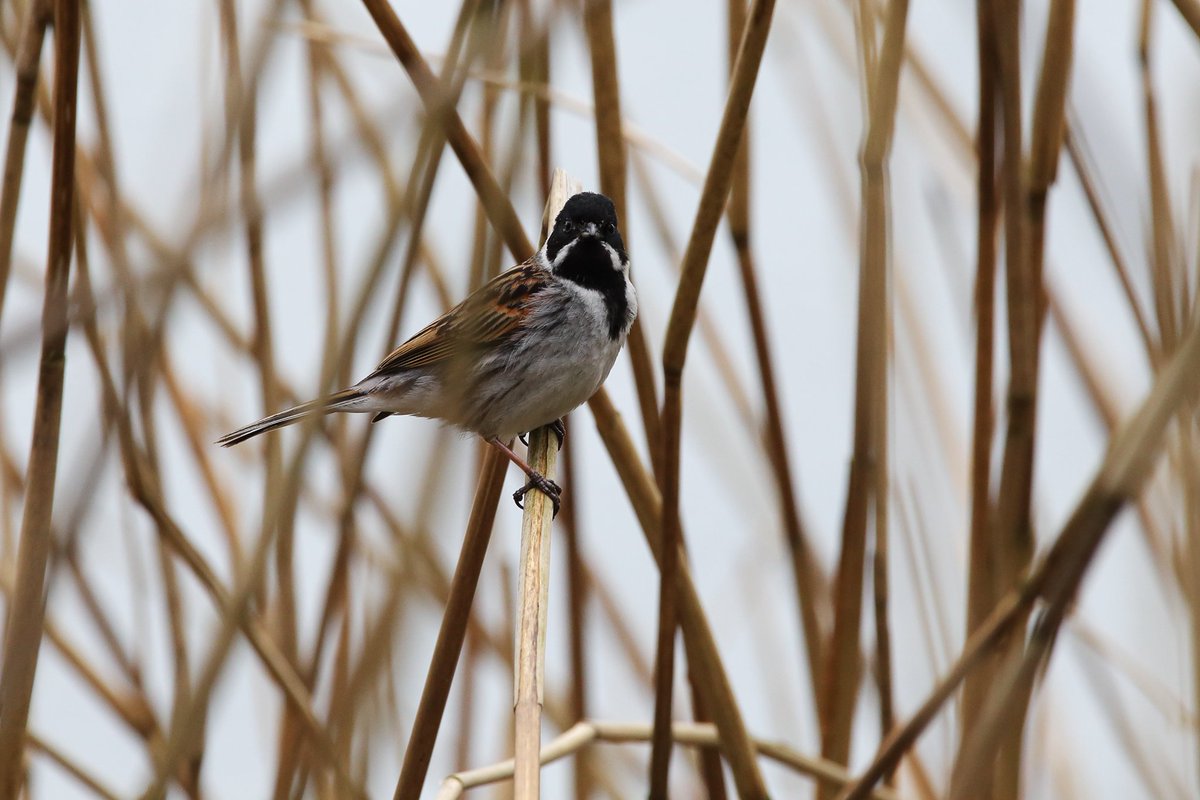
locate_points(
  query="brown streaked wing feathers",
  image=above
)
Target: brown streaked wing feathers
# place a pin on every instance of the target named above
(485, 319)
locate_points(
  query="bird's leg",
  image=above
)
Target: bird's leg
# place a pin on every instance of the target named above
(536, 479)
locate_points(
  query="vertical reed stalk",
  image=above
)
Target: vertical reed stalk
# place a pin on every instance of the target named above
(1011, 541)
(534, 582)
(981, 588)
(611, 151)
(1046, 143)
(26, 609)
(841, 678)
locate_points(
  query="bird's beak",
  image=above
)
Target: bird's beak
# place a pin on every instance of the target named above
(591, 231)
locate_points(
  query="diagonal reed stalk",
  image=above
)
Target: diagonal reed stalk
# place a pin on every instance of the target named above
(453, 630)
(679, 327)
(26, 609)
(28, 61)
(807, 579)
(499, 210)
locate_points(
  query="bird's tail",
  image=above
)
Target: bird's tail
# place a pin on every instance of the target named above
(345, 400)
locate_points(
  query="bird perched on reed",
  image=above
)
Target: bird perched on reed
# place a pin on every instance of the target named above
(519, 353)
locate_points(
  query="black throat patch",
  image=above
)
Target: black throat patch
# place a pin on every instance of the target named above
(589, 264)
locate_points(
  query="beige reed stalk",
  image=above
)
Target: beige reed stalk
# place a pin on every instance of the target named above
(530, 651)
(26, 610)
(702, 735)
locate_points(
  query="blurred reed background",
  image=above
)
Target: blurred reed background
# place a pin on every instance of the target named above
(926, 494)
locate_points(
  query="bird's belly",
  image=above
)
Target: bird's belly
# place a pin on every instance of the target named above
(552, 375)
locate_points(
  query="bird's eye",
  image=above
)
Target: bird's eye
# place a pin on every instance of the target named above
(568, 226)
(609, 227)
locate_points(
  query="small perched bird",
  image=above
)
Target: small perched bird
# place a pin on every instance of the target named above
(519, 353)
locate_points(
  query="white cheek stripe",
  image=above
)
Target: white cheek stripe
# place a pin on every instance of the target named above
(614, 257)
(562, 253)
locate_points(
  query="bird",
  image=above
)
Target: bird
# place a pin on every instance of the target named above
(518, 353)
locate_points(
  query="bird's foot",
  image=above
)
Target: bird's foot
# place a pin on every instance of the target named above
(559, 427)
(543, 485)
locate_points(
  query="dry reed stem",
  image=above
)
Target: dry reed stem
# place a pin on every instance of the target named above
(454, 623)
(1100, 680)
(1011, 534)
(1076, 148)
(1026, 284)
(534, 584)
(703, 735)
(710, 333)
(145, 491)
(698, 639)
(720, 696)
(277, 666)
(868, 468)
(980, 591)
(529, 666)
(188, 719)
(611, 152)
(1190, 11)
(195, 430)
(1128, 463)
(26, 610)
(68, 765)
(26, 63)
(499, 209)
(372, 556)
(536, 86)
(130, 706)
(415, 202)
(101, 618)
(1167, 281)
(805, 576)
(287, 760)
(683, 316)
(577, 601)
(534, 68)
(487, 250)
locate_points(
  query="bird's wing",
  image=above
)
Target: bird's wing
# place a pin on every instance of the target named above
(487, 318)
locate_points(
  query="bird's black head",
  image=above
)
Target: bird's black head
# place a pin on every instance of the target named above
(585, 247)
(587, 222)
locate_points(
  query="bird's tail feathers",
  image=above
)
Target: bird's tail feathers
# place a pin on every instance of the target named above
(344, 400)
